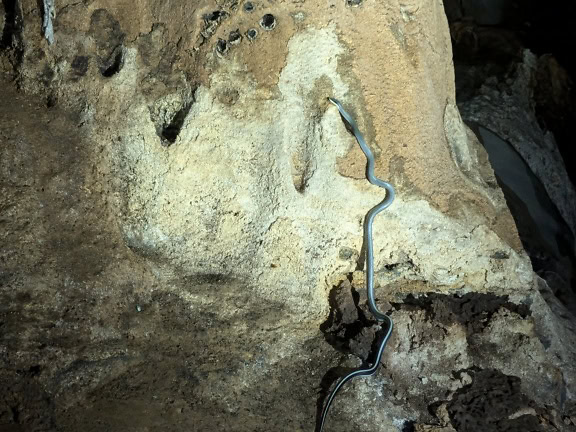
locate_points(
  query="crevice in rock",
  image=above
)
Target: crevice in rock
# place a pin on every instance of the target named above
(109, 38)
(169, 119)
(114, 63)
(472, 310)
(545, 235)
(51, 101)
(302, 171)
(303, 162)
(348, 328)
(11, 38)
(171, 131)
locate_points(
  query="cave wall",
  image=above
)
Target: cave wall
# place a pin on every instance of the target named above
(180, 202)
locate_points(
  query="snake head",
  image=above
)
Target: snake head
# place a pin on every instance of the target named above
(333, 101)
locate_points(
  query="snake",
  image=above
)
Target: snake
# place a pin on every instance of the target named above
(368, 243)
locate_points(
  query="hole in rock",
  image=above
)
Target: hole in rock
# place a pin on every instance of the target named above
(171, 131)
(211, 22)
(234, 38)
(408, 426)
(215, 16)
(221, 46)
(268, 22)
(252, 34)
(51, 101)
(169, 116)
(115, 64)
(108, 42)
(348, 328)
(248, 7)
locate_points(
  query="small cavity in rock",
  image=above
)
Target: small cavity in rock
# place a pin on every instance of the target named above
(248, 7)
(252, 34)
(51, 101)
(215, 16)
(114, 64)
(221, 46)
(268, 22)
(212, 21)
(234, 38)
(169, 120)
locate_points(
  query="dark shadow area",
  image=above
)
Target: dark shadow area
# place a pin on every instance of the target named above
(171, 131)
(545, 235)
(348, 327)
(328, 381)
(337, 376)
(169, 120)
(489, 37)
(11, 37)
(472, 310)
(114, 63)
(490, 403)
(514, 71)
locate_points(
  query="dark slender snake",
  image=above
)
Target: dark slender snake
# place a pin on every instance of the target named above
(368, 220)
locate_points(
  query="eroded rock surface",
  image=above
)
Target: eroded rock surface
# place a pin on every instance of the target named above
(179, 200)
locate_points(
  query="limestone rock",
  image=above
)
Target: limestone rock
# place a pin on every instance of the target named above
(536, 146)
(510, 114)
(183, 200)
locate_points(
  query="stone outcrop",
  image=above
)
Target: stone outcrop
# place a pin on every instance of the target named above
(182, 216)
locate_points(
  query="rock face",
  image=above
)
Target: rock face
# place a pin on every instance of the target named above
(521, 106)
(548, 223)
(182, 214)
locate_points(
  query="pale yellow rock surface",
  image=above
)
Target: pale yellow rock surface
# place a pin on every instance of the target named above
(231, 222)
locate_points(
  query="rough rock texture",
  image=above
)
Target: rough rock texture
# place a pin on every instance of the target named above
(501, 105)
(179, 200)
(514, 87)
(518, 107)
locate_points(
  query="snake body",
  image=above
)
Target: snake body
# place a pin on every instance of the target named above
(368, 221)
